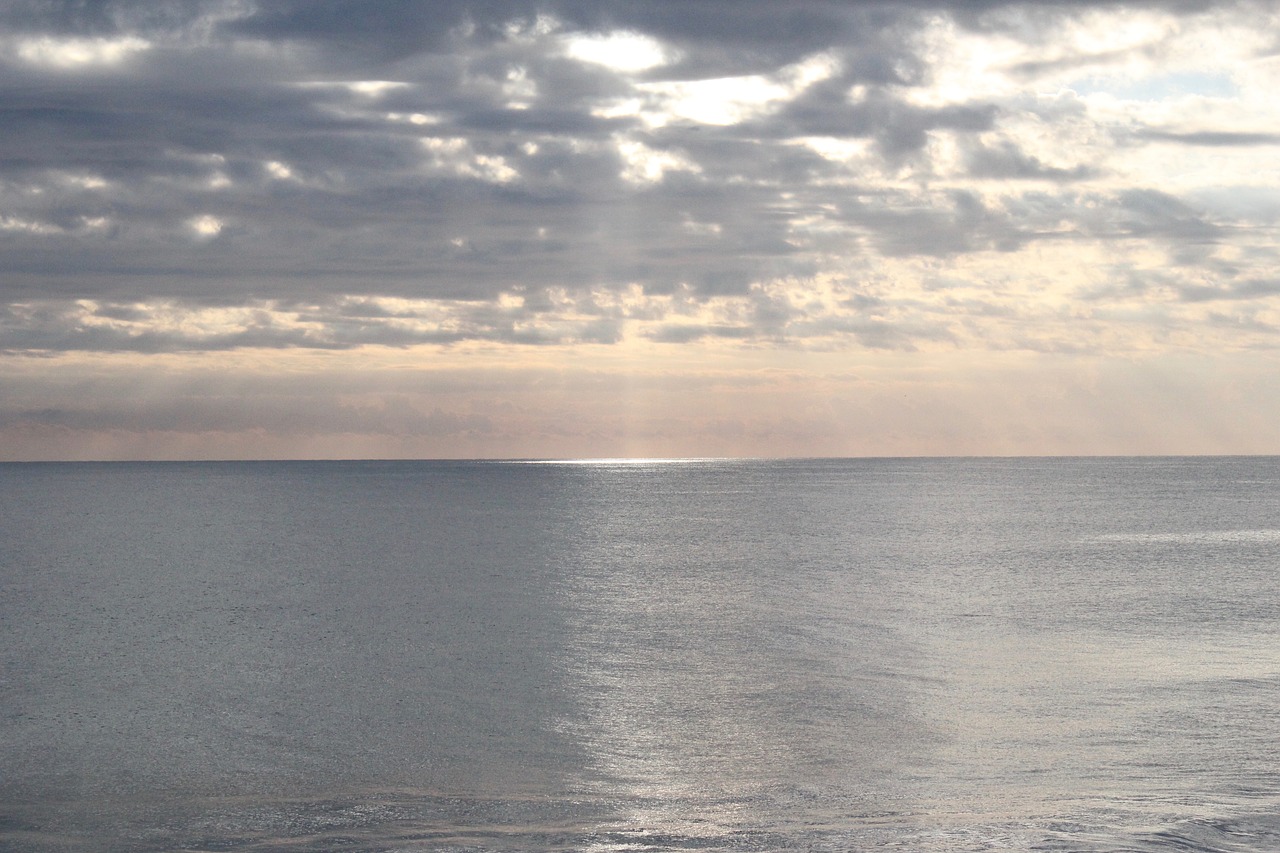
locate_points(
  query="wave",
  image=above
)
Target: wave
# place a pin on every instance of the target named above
(1205, 835)
(1194, 537)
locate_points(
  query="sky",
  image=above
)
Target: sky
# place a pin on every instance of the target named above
(651, 228)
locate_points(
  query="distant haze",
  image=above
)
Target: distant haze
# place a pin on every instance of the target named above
(284, 229)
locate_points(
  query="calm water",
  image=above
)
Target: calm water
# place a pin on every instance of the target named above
(924, 655)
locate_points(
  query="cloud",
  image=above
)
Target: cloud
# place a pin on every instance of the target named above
(1248, 289)
(207, 176)
(1005, 161)
(1211, 138)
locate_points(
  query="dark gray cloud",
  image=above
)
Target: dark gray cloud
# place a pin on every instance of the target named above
(1211, 138)
(898, 128)
(1006, 161)
(939, 227)
(1247, 289)
(1151, 213)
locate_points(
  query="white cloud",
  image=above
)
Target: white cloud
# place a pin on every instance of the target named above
(728, 100)
(278, 170)
(455, 155)
(76, 53)
(618, 51)
(205, 226)
(722, 101)
(371, 88)
(14, 223)
(645, 165)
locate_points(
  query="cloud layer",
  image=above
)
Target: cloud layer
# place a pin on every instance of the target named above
(1093, 179)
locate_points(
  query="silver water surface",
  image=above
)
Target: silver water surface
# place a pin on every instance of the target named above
(935, 655)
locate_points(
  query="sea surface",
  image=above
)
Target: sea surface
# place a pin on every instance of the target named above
(809, 655)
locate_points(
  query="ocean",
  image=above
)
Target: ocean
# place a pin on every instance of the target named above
(813, 655)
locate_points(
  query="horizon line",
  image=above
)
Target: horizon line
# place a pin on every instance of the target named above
(635, 460)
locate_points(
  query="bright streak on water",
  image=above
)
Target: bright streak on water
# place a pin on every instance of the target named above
(641, 655)
(642, 461)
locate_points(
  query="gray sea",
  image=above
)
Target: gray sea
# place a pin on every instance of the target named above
(814, 655)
